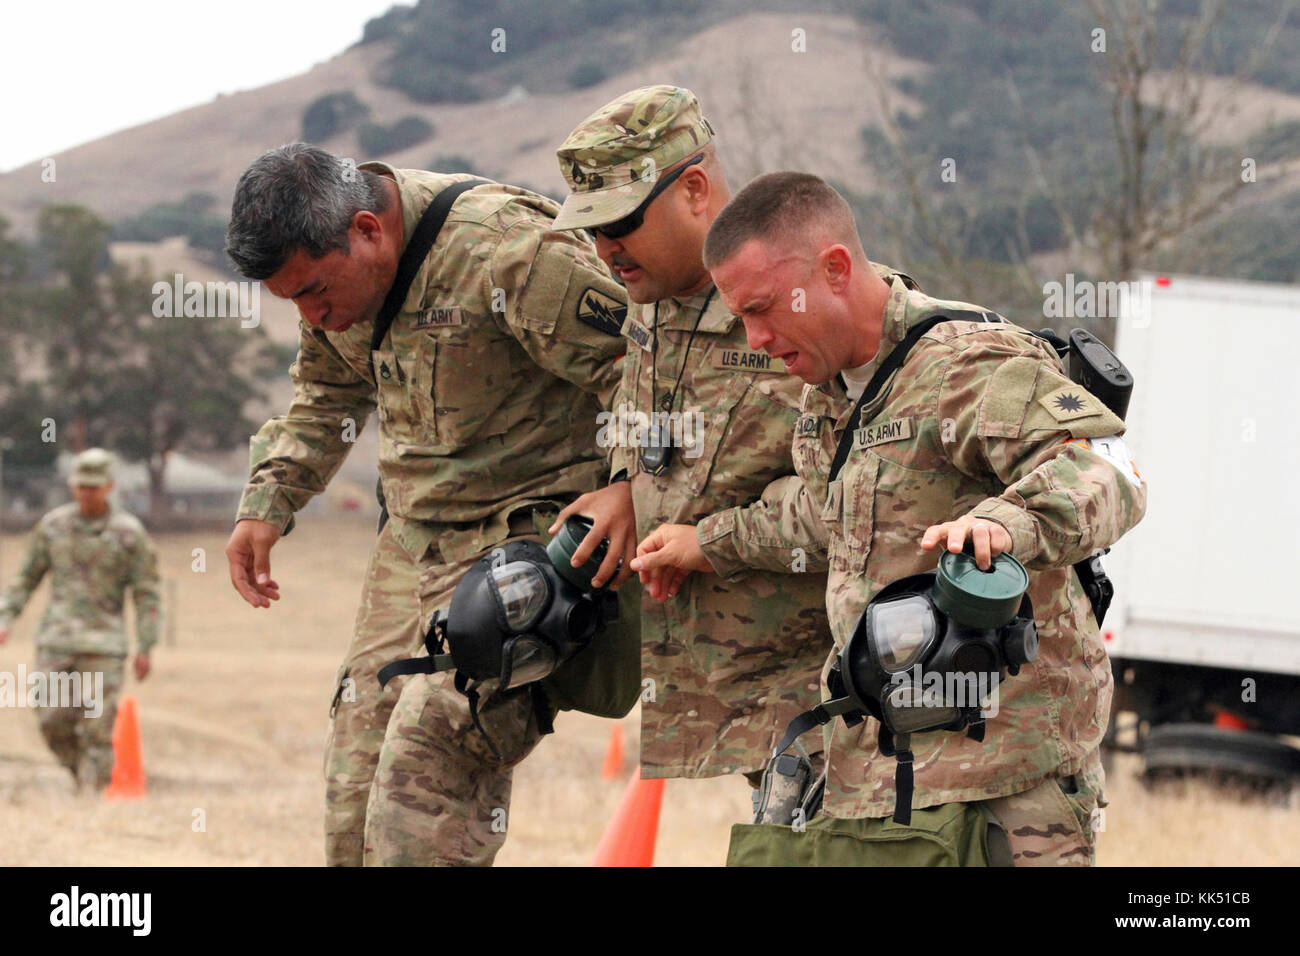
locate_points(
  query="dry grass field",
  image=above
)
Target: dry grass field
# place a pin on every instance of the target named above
(234, 718)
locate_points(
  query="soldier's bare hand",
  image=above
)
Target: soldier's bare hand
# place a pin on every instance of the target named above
(4, 634)
(989, 537)
(142, 666)
(666, 556)
(610, 510)
(249, 554)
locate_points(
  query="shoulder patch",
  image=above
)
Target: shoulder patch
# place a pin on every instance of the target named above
(1071, 402)
(601, 311)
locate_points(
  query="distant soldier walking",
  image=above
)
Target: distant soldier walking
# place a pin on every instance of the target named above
(94, 553)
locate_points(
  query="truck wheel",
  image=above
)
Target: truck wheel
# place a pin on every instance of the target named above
(1205, 747)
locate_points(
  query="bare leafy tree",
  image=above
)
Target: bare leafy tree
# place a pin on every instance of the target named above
(1169, 175)
(1167, 165)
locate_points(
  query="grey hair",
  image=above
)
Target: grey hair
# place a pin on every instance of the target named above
(297, 197)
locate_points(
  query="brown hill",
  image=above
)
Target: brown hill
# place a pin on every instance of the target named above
(773, 108)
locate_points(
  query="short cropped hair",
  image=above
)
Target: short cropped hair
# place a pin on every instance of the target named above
(297, 197)
(783, 208)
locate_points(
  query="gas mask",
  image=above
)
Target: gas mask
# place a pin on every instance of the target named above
(927, 653)
(517, 615)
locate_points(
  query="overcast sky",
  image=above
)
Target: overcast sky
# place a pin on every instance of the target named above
(73, 71)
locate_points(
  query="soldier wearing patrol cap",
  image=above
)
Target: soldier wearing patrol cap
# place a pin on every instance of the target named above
(977, 438)
(700, 429)
(94, 553)
(503, 341)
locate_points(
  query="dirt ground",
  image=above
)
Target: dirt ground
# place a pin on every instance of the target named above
(234, 718)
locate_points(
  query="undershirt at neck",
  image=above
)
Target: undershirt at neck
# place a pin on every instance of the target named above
(856, 379)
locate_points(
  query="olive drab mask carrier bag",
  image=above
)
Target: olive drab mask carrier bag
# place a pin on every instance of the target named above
(957, 834)
(604, 678)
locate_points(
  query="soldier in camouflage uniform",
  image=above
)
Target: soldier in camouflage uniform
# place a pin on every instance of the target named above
(94, 553)
(979, 436)
(487, 386)
(731, 657)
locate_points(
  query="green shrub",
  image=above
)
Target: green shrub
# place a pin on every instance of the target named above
(331, 114)
(454, 163)
(588, 73)
(378, 140)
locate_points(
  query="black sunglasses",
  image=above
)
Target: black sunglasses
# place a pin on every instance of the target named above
(632, 221)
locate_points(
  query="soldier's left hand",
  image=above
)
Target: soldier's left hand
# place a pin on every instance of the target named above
(666, 556)
(142, 666)
(989, 537)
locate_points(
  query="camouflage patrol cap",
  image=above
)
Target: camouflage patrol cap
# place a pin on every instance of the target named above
(604, 158)
(92, 467)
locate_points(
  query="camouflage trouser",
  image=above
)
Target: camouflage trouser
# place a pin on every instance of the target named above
(388, 628)
(82, 743)
(1056, 822)
(440, 796)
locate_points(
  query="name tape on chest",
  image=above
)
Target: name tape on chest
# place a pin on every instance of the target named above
(897, 430)
(1114, 449)
(744, 360)
(637, 333)
(440, 318)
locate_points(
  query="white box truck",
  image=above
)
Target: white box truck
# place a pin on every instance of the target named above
(1204, 631)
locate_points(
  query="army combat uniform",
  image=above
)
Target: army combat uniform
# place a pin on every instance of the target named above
(487, 386)
(735, 655)
(981, 420)
(92, 563)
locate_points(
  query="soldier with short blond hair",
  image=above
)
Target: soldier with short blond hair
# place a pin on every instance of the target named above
(978, 439)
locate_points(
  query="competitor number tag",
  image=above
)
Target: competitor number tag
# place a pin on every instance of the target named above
(1114, 450)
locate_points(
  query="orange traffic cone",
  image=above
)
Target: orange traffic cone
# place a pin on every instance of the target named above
(128, 754)
(613, 754)
(629, 839)
(1227, 720)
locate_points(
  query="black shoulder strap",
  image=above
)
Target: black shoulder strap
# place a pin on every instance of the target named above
(422, 240)
(887, 368)
(892, 364)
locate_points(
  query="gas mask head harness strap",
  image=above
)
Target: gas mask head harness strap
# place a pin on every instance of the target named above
(926, 654)
(516, 616)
